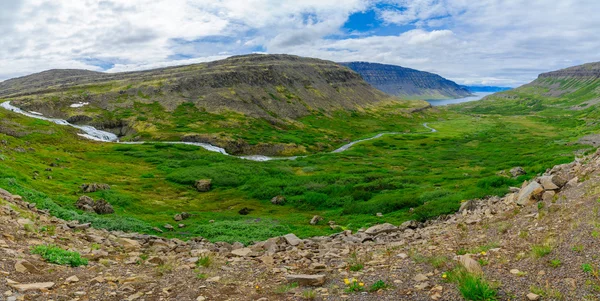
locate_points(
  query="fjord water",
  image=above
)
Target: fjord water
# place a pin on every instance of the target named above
(475, 97)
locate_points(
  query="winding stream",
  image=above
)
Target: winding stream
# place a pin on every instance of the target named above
(92, 133)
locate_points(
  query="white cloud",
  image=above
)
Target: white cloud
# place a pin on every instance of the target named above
(486, 41)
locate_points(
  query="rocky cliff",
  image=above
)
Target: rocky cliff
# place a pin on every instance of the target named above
(406, 82)
(590, 70)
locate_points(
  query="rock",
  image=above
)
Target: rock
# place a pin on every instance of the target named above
(420, 278)
(85, 203)
(93, 187)
(315, 220)
(517, 171)
(178, 217)
(469, 264)
(559, 180)
(548, 196)
(292, 239)
(181, 216)
(245, 211)
(243, 252)
(533, 297)
(72, 279)
(423, 285)
(201, 298)
(379, 214)
(214, 279)
(203, 185)
(156, 260)
(470, 205)
(32, 286)
(574, 182)
(306, 280)
(181, 225)
(129, 244)
(515, 271)
(24, 266)
(103, 207)
(381, 228)
(317, 266)
(278, 200)
(157, 230)
(547, 183)
(168, 227)
(531, 192)
(409, 225)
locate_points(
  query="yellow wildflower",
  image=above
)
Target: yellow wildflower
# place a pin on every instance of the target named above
(483, 253)
(444, 276)
(361, 284)
(346, 281)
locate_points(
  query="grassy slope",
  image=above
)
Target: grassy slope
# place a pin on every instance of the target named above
(150, 183)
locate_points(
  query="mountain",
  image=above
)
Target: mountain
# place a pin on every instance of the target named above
(476, 89)
(215, 102)
(407, 83)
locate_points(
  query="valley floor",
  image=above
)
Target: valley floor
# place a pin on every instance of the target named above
(546, 250)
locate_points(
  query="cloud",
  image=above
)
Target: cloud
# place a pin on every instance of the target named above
(487, 41)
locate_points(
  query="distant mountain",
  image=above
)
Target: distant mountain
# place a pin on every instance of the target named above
(407, 83)
(493, 89)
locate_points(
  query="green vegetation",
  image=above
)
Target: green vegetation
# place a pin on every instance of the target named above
(539, 251)
(54, 254)
(379, 285)
(285, 288)
(204, 261)
(471, 286)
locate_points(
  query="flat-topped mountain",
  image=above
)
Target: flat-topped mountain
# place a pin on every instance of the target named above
(406, 82)
(590, 70)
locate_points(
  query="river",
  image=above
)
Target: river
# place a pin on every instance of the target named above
(92, 133)
(475, 97)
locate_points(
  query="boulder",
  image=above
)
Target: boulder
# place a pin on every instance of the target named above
(517, 171)
(278, 200)
(178, 217)
(470, 264)
(129, 244)
(409, 225)
(470, 205)
(381, 228)
(532, 192)
(85, 203)
(306, 280)
(32, 286)
(245, 211)
(93, 187)
(203, 185)
(548, 196)
(168, 227)
(559, 180)
(547, 183)
(243, 252)
(315, 220)
(292, 239)
(24, 266)
(103, 207)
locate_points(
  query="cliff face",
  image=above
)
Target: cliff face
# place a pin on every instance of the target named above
(590, 70)
(406, 82)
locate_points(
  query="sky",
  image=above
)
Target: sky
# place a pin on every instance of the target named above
(483, 42)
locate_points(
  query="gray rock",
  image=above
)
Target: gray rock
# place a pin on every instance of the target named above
(278, 200)
(306, 280)
(547, 183)
(529, 193)
(243, 252)
(203, 185)
(103, 207)
(292, 239)
(381, 228)
(93, 187)
(517, 171)
(32, 286)
(315, 220)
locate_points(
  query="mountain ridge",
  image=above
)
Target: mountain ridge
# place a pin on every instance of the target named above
(406, 82)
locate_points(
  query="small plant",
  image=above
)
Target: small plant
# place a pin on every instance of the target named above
(539, 251)
(353, 285)
(379, 285)
(309, 295)
(523, 234)
(51, 230)
(483, 261)
(164, 269)
(283, 289)
(200, 275)
(540, 205)
(555, 263)
(587, 268)
(355, 264)
(595, 234)
(144, 257)
(95, 247)
(475, 288)
(204, 261)
(578, 248)
(54, 254)
(29, 228)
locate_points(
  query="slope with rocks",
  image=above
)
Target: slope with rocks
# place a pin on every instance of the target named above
(407, 83)
(537, 243)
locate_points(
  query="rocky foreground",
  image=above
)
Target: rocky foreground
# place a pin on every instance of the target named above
(540, 242)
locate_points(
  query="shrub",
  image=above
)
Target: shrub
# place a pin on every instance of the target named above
(54, 254)
(473, 287)
(379, 285)
(539, 251)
